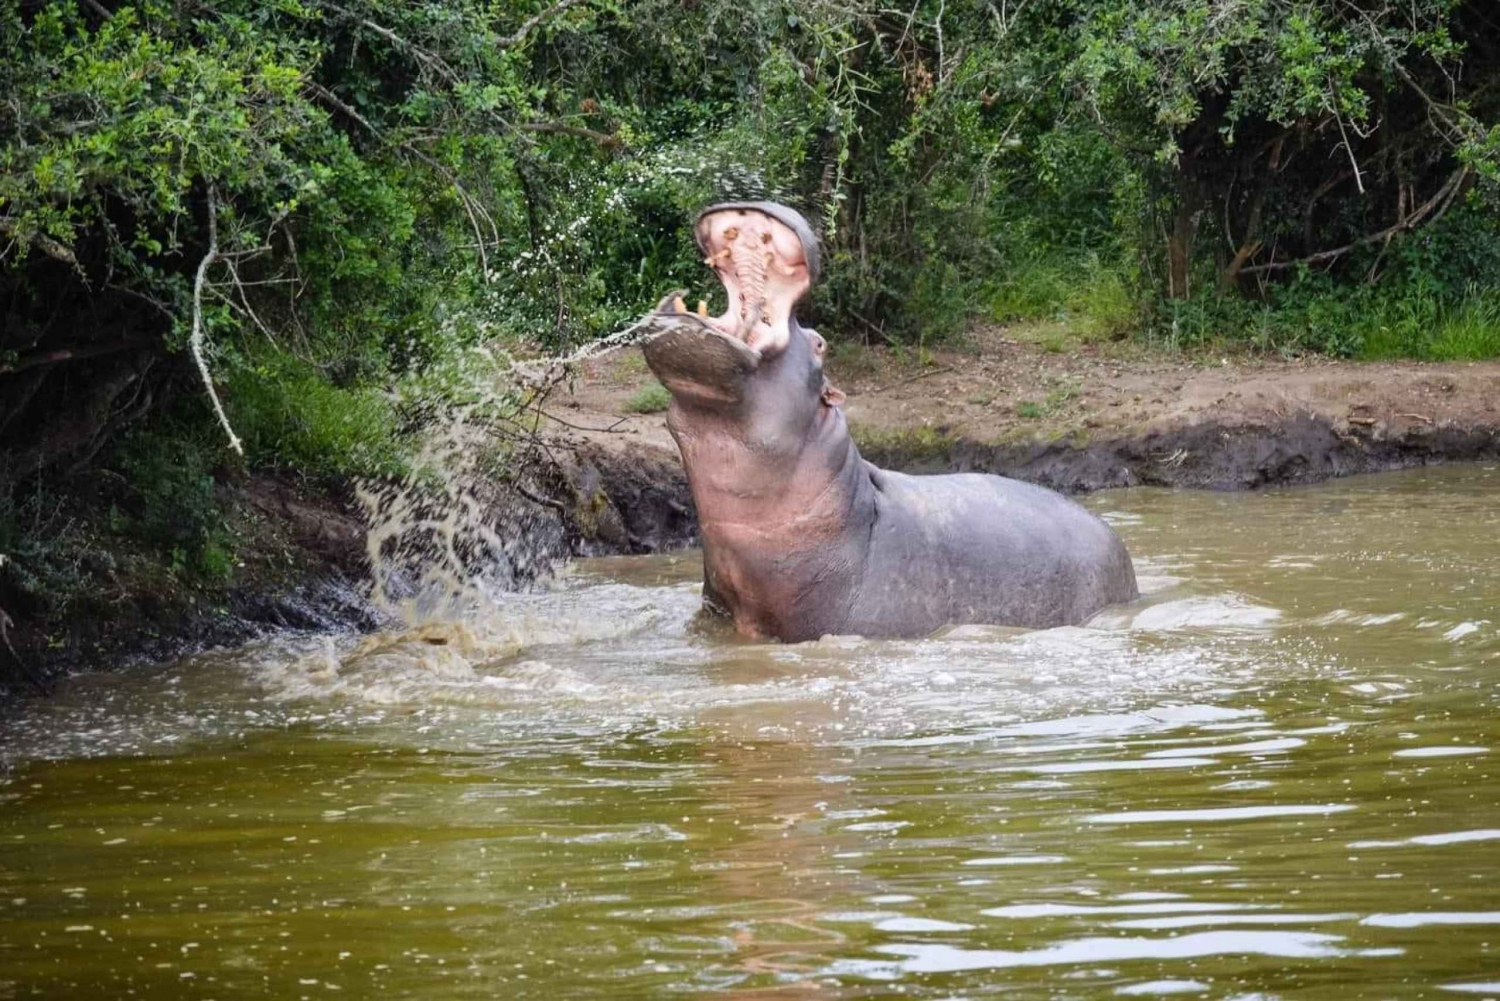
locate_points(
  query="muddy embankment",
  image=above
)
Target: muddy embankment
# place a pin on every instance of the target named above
(1075, 421)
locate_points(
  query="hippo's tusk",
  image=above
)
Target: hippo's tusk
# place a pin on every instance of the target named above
(703, 308)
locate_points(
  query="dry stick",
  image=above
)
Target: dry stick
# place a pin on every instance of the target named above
(526, 28)
(909, 380)
(70, 354)
(579, 427)
(1359, 178)
(538, 498)
(195, 341)
(1446, 192)
(560, 128)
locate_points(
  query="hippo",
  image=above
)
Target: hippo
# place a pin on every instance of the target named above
(803, 538)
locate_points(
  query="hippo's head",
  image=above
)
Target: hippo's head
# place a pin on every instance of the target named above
(754, 366)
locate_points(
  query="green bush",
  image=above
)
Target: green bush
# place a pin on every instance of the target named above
(290, 415)
(174, 505)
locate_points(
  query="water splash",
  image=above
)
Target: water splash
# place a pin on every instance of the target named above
(476, 515)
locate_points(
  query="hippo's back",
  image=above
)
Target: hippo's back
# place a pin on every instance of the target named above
(972, 548)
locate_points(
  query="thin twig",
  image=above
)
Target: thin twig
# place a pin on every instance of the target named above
(539, 499)
(577, 427)
(70, 354)
(908, 380)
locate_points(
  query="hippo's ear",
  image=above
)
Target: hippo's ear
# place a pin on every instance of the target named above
(832, 396)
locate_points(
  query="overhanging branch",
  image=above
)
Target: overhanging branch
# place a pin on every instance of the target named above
(1438, 202)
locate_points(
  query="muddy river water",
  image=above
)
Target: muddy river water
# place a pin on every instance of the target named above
(1273, 777)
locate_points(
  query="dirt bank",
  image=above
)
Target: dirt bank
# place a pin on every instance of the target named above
(1080, 417)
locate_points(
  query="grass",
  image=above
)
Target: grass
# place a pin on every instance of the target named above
(1087, 299)
(1468, 330)
(1064, 303)
(900, 446)
(652, 399)
(1056, 400)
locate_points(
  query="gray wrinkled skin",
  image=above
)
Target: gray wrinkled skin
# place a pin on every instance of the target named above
(803, 538)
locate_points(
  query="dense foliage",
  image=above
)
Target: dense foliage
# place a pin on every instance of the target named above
(321, 200)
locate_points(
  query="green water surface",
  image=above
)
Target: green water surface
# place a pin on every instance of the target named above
(1273, 777)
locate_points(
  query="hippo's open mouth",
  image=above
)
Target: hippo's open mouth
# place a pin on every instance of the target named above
(766, 259)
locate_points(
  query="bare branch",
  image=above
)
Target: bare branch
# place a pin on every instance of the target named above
(46, 244)
(331, 99)
(195, 340)
(1441, 200)
(39, 358)
(520, 34)
(425, 56)
(605, 139)
(1359, 177)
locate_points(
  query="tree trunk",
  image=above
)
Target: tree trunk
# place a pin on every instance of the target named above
(1184, 231)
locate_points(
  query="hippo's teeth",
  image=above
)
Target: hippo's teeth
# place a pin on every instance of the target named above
(732, 233)
(765, 237)
(703, 308)
(679, 305)
(712, 260)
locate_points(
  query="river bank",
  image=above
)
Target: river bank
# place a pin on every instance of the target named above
(1019, 402)
(1078, 417)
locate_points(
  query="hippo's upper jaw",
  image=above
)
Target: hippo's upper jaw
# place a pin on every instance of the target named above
(767, 258)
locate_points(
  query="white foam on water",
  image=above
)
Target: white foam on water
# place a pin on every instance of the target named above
(1480, 987)
(1217, 612)
(1217, 815)
(1434, 840)
(1426, 919)
(1440, 751)
(1154, 988)
(918, 958)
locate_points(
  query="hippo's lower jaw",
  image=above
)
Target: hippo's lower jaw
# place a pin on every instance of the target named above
(693, 356)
